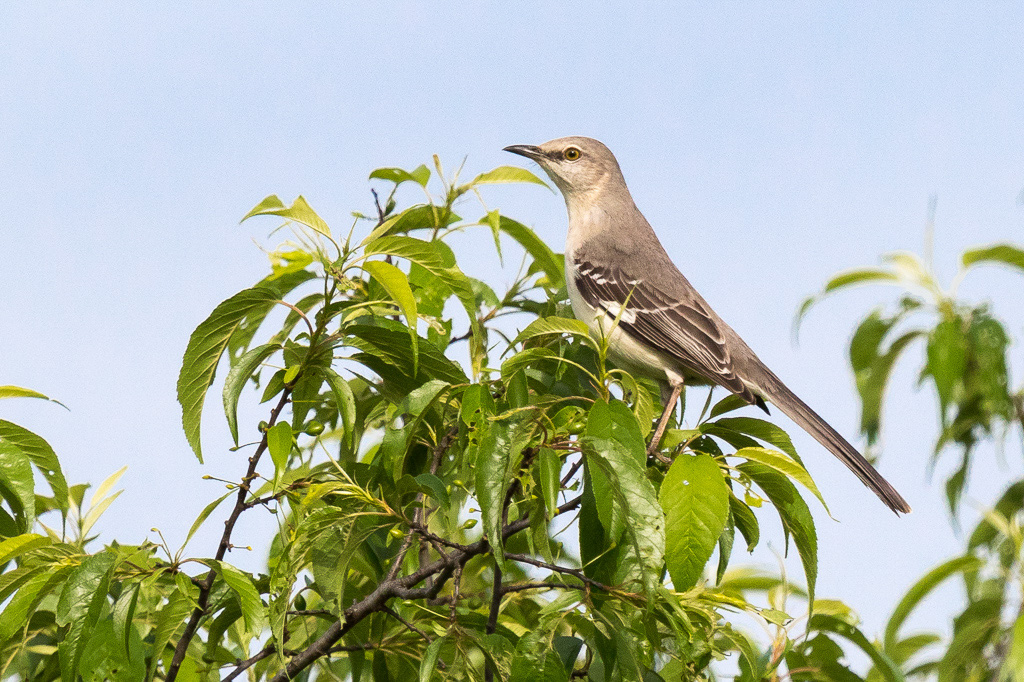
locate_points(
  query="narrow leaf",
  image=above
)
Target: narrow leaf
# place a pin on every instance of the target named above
(396, 284)
(397, 175)
(279, 442)
(784, 465)
(497, 463)
(507, 174)
(205, 347)
(795, 516)
(925, 585)
(238, 376)
(999, 254)
(344, 400)
(13, 547)
(554, 325)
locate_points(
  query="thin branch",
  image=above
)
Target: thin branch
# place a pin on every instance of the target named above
(394, 614)
(576, 573)
(492, 618)
(242, 666)
(225, 543)
(572, 472)
(521, 587)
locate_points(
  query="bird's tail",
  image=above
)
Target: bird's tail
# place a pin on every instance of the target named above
(807, 419)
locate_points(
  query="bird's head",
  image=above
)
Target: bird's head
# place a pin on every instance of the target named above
(578, 165)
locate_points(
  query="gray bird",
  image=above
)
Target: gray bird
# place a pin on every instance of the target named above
(622, 283)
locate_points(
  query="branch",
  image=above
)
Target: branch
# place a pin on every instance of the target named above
(225, 543)
(441, 569)
(576, 573)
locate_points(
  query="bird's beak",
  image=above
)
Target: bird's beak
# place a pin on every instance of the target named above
(527, 150)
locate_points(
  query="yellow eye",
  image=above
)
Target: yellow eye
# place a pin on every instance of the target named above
(571, 154)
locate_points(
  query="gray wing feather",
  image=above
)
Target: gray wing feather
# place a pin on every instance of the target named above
(685, 330)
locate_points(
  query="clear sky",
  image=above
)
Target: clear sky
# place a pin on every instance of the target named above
(770, 144)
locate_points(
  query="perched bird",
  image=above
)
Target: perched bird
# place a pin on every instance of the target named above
(624, 286)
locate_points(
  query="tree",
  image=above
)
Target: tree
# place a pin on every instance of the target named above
(965, 360)
(428, 508)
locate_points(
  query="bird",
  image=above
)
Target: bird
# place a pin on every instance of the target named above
(623, 284)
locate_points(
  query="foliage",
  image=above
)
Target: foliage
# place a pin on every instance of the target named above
(965, 359)
(451, 505)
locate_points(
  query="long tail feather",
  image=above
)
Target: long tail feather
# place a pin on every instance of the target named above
(797, 410)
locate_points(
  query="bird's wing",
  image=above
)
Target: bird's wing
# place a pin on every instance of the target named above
(682, 328)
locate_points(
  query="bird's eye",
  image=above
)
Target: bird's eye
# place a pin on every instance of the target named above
(571, 154)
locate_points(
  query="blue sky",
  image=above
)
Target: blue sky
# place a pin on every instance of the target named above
(770, 144)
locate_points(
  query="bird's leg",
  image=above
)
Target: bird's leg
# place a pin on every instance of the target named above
(670, 407)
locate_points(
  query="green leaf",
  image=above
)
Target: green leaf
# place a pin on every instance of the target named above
(13, 547)
(344, 400)
(745, 521)
(20, 608)
(169, 620)
(999, 254)
(421, 175)
(1013, 664)
(844, 280)
(928, 582)
(729, 403)
(613, 422)
(784, 465)
(549, 470)
(428, 665)
(947, 357)
(554, 325)
(436, 487)
(253, 610)
(282, 284)
(429, 256)
(396, 284)
(19, 392)
(203, 515)
(883, 664)
(123, 613)
(279, 442)
(762, 430)
(41, 455)
(616, 456)
(553, 265)
(1009, 504)
(507, 174)
(238, 376)
(696, 503)
(79, 606)
(17, 486)
(205, 347)
(497, 463)
(300, 211)
(524, 359)
(793, 512)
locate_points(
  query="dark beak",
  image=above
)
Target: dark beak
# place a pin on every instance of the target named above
(527, 150)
